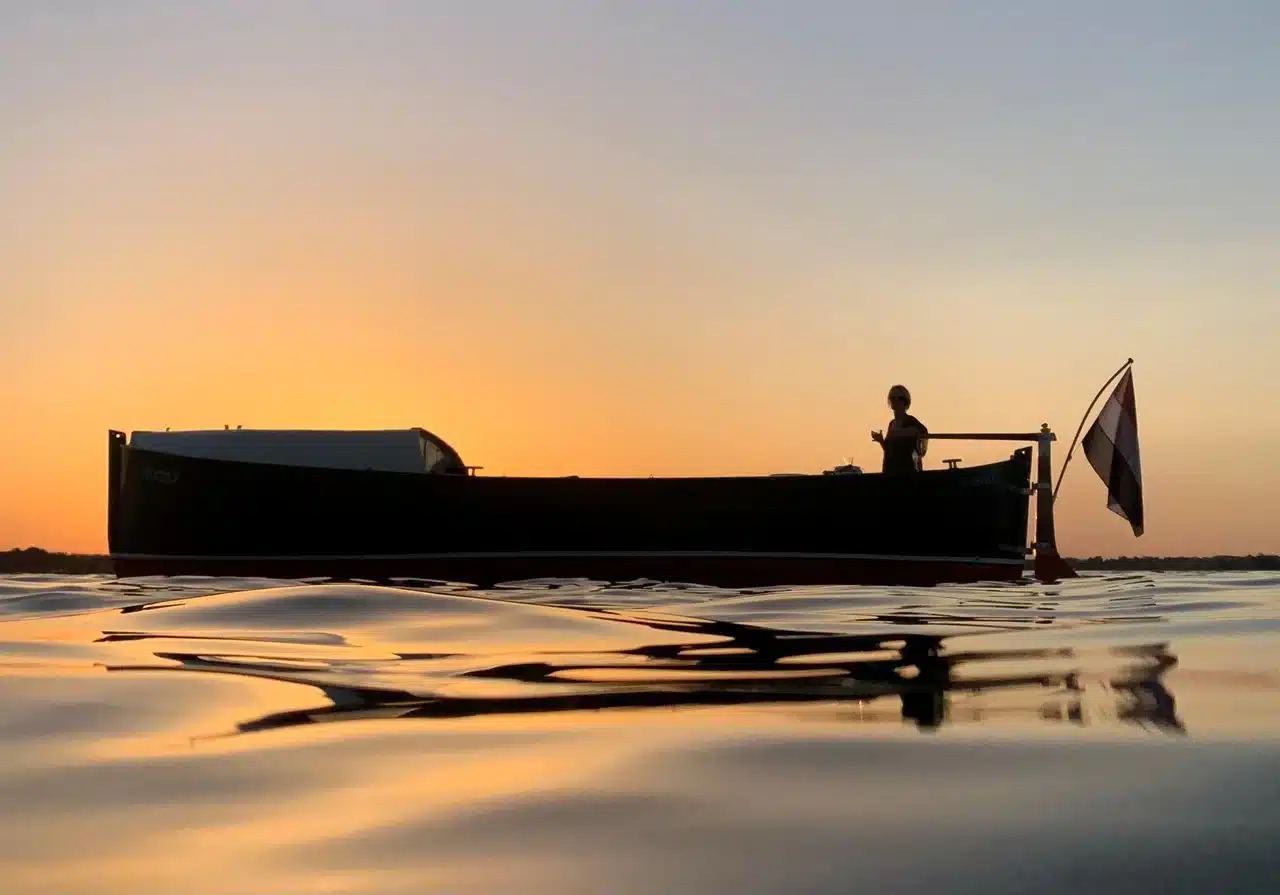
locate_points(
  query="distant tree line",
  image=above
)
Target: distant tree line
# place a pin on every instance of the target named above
(33, 560)
(1222, 563)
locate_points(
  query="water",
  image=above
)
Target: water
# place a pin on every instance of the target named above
(1112, 734)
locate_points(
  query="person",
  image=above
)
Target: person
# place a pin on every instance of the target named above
(906, 439)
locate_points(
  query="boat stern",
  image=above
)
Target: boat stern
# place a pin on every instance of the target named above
(117, 456)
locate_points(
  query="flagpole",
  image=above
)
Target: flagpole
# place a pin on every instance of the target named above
(1080, 428)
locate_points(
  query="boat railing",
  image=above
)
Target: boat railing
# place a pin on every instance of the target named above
(1034, 437)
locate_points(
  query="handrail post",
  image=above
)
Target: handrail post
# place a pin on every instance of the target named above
(1048, 565)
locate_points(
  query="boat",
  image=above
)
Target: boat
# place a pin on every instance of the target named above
(393, 504)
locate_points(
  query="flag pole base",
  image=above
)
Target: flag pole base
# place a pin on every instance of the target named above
(1049, 567)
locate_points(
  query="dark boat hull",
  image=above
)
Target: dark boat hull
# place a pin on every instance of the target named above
(720, 570)
(172, 515)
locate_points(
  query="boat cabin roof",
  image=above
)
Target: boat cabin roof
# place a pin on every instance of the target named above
(392, 450)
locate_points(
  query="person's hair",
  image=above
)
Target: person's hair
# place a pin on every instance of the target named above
(902, 390)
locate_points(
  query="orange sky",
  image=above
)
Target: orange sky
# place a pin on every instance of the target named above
(360, 226)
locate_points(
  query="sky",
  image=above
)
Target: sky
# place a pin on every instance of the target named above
(659, 237)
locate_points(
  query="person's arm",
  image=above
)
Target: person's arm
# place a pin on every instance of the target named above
(922, 437)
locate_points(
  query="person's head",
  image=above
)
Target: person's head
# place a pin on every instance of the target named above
(899, 398)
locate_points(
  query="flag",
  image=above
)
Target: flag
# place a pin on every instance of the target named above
(1111, 444)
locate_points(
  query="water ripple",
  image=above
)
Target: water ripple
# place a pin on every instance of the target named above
(368, 738)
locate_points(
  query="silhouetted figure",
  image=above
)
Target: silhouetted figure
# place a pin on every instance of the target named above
(904, 441)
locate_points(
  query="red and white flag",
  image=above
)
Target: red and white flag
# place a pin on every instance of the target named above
(1111, 444)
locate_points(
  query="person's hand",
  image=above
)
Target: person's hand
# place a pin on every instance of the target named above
(877, 436)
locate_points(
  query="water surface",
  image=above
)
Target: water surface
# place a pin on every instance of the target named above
(1111, 734)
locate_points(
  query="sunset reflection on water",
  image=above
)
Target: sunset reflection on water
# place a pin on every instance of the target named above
(233, 737)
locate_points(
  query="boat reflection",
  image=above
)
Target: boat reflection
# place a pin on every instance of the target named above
(932, 681)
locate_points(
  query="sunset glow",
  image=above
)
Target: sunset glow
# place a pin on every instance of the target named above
(643, 239)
